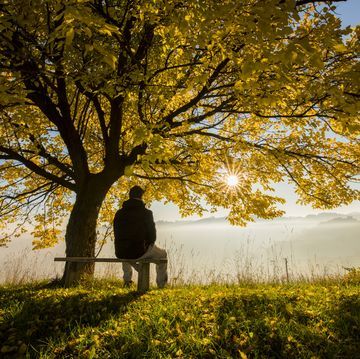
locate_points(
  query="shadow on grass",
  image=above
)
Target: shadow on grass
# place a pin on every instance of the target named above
(346, 327)
(40, 313)
(261, 327)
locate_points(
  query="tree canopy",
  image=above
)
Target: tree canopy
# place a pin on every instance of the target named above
(97, 95)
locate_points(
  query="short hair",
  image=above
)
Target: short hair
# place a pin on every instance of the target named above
(136, 192)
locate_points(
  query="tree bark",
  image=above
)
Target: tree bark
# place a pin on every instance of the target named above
(80, 237)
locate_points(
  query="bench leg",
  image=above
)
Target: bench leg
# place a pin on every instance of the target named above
(143, 277)
(70, 274)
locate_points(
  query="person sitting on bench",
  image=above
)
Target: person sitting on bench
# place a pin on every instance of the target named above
(135, 236)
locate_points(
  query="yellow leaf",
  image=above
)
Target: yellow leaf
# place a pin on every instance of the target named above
(88, 48)
(128, 171)
(87, 31)
(69, 37)
(105, 31)
(294, 56)
(110, 59)
(289, 308)
(340, 48)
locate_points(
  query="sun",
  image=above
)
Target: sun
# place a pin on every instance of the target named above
(232, 180)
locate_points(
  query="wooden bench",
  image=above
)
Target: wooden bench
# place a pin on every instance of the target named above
(143, 265)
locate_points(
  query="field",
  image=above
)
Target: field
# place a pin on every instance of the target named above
(100, 319)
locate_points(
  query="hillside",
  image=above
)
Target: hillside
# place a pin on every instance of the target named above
(320, 218)
(102, 320)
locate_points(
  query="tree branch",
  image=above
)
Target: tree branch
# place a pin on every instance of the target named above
(23, 62)
(100, 112)
(304, 2)
(169, 118)
(131, 158)
(145, 43)
(38, 170)
(115, 124)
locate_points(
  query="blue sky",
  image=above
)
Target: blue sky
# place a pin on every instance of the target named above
(349, 12)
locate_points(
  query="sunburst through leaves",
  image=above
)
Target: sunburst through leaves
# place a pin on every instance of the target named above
(232, 181)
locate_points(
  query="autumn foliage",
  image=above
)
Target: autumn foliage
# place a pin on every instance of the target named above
(172, 95)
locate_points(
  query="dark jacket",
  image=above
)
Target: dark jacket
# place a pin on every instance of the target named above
(134, 229)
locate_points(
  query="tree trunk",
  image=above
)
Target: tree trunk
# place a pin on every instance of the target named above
(80, 237)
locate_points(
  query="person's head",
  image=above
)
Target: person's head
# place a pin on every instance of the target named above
(136, 192)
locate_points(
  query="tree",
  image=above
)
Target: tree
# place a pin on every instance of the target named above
(97, 95)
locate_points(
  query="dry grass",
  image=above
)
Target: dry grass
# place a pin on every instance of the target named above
(184, 269)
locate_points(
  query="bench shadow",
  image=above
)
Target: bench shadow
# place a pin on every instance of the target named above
(38, 314)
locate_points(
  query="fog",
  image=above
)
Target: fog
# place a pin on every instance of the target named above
(212, 250)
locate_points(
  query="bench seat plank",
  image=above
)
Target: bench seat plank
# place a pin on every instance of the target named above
(96, 259)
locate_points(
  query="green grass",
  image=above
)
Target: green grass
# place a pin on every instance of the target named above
(100, 319)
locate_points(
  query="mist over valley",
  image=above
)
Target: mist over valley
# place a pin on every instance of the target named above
(211, 248)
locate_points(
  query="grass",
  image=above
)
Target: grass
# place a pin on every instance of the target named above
(100, 319)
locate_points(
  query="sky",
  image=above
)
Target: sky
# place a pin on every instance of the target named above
(349, 12)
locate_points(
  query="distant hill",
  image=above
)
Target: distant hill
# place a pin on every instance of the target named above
(341, 220)
(207, 220)
(356, 215)
(326, 218)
